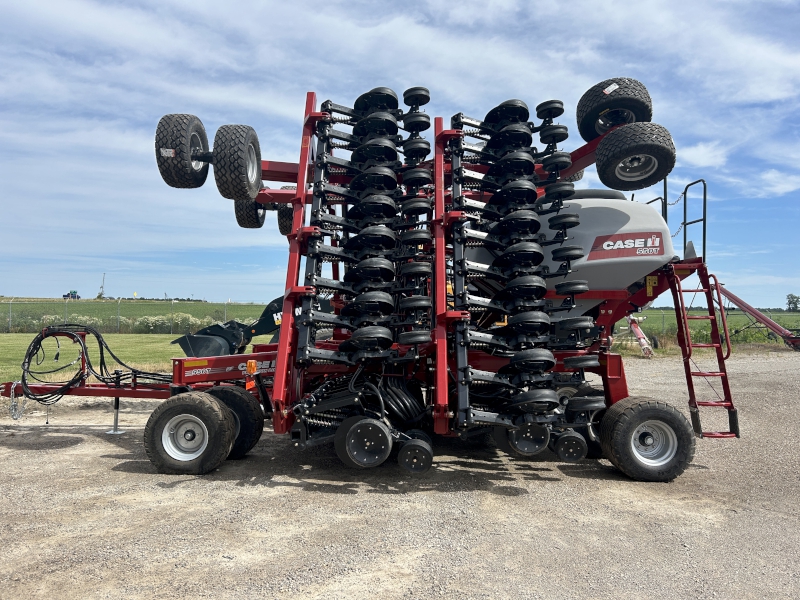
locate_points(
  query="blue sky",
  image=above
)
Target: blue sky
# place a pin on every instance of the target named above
(83, 84)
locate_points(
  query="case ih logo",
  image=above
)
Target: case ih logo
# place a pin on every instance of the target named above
(627, 244)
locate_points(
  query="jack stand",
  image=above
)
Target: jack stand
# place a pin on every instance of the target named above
(116, 430)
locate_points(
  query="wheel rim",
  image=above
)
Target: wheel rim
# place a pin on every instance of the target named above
(636, 167)
(252, 163)
(367, 444)
(619, 116)
(185, 437)
(654, 443)
(195, 146)
(530, 439)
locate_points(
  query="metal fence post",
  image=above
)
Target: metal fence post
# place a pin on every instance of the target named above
(66, 302)
(9, 313)
(118, 303)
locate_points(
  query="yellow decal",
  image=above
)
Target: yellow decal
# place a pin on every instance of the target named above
(652, 281)
(195, 363)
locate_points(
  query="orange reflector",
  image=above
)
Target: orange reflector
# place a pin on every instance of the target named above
(252, 367)
(249, 384)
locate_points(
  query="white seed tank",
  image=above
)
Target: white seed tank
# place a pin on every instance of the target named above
(623, 242)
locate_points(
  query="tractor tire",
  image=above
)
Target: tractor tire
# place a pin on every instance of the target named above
(635, 157)
(595, 450)
(189, 434)
(286, 214)
(247, 414)
(576, 176)
(647, 440)
(285, 219)
(249, 213)
(237, 162)
(176, 137)
(610, 103)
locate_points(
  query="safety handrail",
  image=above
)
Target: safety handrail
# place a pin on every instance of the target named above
(722, 316)
(702, 220)
(684, 320)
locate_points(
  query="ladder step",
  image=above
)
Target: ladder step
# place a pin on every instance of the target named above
(688, 291)
(708, 374)
(718, 434)
(706, 345)
(701, 317)
(714, 403)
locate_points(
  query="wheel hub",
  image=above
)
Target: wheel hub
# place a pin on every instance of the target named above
(252, 163)
(612, 118)
(196, 147)
(185, 437)
(636, 167)
(654, 443)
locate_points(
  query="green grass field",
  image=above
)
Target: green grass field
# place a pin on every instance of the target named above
(149, 352)
(135, 316)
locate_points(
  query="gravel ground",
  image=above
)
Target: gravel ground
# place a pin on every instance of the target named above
(84, 514)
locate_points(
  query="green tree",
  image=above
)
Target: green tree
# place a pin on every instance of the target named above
(792, 302)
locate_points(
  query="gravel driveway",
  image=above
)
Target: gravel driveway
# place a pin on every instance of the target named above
(84, 515)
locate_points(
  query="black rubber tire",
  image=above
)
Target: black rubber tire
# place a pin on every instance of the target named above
(412, 338)
(285, 219)
(249, 213)
(564, 221)
(587, 361)
(570, 288)
(557, 161)
(206, 409)
(247, 413)
(576, 176)
(419, 434)
(654, 342)
(412, 269)
(629, 95)
(175, 135)
(415, 456)
(553, 134)
(341, 445)
(563, 253)
(595, 450)
(598, 194)
(237, 162)
(640, 142)
(500, 437)
(619, 424)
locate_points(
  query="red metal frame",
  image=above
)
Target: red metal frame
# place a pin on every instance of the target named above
(278, 360)
(790, 337)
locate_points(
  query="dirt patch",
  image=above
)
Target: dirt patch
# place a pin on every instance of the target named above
(86, 516)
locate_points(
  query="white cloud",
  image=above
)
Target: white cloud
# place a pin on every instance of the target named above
(83, 84)
(775, 183)
(704, 154)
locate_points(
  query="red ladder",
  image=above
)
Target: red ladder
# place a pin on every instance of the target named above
(710, 290)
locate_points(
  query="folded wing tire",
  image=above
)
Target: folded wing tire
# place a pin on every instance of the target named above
(177, 137)
(610, 103)
(247, 414)
(635, 156)
(237, 162)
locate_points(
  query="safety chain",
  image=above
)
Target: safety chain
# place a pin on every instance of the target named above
(14, 408)
(680, 197)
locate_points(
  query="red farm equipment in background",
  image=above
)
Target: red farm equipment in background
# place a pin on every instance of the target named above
(472, 290)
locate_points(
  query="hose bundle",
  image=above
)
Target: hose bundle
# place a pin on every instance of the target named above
(35, 356)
